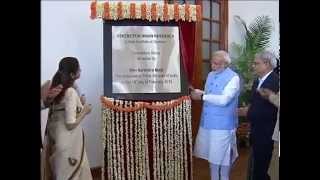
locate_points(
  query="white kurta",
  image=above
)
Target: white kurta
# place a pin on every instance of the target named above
(218, 146)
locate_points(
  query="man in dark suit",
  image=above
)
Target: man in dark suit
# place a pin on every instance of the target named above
(262, 114)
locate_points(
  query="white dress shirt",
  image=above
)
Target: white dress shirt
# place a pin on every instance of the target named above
(261, 80)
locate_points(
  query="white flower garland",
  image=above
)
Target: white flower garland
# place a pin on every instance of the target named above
(171, 141)
(160, 11)
(146, 144)
(148, 12)
(103, 139)
(126, 10)
(176, 143)
(171, 11)
(136, 158)
(182, 15)
(100, 10)
(154, 143)
(193, 13)
(127, 140)
(188, 121)
(161, 142)
(139, 135)
(131, 143)
(138, 11)
(113, 11)
(166, 140)
(180, 175)
(113, 144)
(121, 142)
(185, 141)
(118, 165)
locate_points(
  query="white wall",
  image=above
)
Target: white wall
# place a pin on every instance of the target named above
(67, 30)
(248, 11)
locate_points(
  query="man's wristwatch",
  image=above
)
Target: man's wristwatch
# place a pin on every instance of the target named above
(201, 97)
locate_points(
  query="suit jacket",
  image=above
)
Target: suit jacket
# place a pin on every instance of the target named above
(262, 114)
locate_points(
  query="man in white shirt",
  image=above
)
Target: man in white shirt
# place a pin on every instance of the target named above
(216, 139)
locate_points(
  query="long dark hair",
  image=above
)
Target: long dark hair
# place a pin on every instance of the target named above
(67, 65)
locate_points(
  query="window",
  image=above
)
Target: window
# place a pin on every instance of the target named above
(214, 16)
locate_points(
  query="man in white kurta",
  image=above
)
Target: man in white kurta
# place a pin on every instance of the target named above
(216, 139)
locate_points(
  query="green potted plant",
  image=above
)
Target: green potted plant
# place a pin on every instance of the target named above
(256, 39)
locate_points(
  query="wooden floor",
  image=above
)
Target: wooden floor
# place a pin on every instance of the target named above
(239, 171)
(201, 167)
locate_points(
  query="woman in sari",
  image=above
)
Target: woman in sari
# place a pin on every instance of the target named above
(65, 144)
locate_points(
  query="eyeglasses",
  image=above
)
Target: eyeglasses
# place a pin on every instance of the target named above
(257, 63)
(217, 64)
